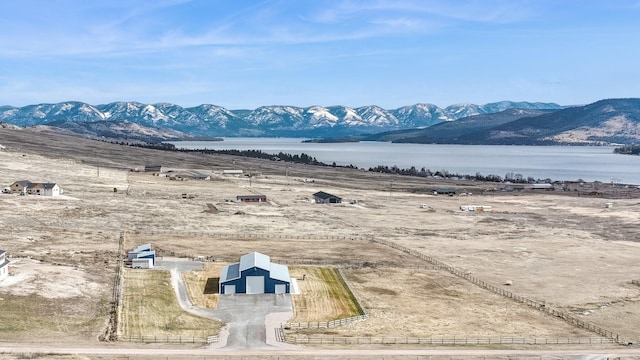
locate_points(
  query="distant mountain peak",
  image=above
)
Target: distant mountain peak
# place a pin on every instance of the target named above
(277, 120)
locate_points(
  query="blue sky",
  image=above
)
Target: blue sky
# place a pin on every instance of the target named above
(242, 54)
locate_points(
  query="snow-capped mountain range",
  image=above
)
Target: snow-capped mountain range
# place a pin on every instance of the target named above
(210, 120)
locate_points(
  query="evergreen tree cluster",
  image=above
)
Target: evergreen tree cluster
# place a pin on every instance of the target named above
(628, 150)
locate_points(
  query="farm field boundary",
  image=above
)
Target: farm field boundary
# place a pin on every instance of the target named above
(570, 319)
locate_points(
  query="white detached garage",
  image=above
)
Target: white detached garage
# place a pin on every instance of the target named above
(255, 274)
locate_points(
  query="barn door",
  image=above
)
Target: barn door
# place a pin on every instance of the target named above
(255, 284)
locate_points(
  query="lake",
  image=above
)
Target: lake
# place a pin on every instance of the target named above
(589, 163)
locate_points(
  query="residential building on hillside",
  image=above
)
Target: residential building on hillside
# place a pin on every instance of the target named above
(322, 197)
(43, 189)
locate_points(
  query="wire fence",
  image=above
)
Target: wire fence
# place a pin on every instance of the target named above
(249, 236)
(166, 339)
(340, 340)
(323, 324)
(569, 318)
(362, 313)
(436, 264)
(111, 332)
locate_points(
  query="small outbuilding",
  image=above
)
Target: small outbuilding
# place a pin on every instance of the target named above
(142, 255)
(545, 186)
(255, 274)
(322, 197)
(4, 265)
(251, 198)
(444, 191)
(478, 208)
(153, 168)
(236, 172)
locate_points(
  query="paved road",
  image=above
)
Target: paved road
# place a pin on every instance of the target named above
(246, 315)
(167, 353)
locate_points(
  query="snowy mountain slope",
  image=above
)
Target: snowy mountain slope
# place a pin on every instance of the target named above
(281, 120)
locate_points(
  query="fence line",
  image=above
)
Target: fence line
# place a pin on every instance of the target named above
(340, 340)
(250, 236)
(111, 332)
(362, 313)
(169, 339)
(571, 319)
(322, 324)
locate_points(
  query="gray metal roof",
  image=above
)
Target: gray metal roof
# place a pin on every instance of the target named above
(144, 247)
(230, 272)
(255, 259)
(142, 254)
(280, 272)
(23, 182)
(6, 261)
(323, 195)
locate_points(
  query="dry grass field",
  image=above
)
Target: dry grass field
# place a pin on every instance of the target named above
(202, 285)
(323, 296)
(571, 252)
(150, 308)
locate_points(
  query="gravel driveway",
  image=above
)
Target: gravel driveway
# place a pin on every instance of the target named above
(253, 321)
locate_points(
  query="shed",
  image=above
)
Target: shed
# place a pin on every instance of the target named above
(322, 197)
(232, 172)
(142, 252)
(153, 168)
(4, 265)
(144, 263)
(444, 191)
(251, 198)
(478, 208)
(545, 186)
(255, 274)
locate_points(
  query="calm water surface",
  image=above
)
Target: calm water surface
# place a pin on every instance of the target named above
(589, 163)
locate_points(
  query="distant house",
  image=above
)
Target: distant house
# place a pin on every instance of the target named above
(255, 274)
(188, 175)
(4, 265)
(444, 191)
(322, 197)
(251, 198)
(142, 257)
(542, 186)
(43, 189)
(153, 168)
(232, 172)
